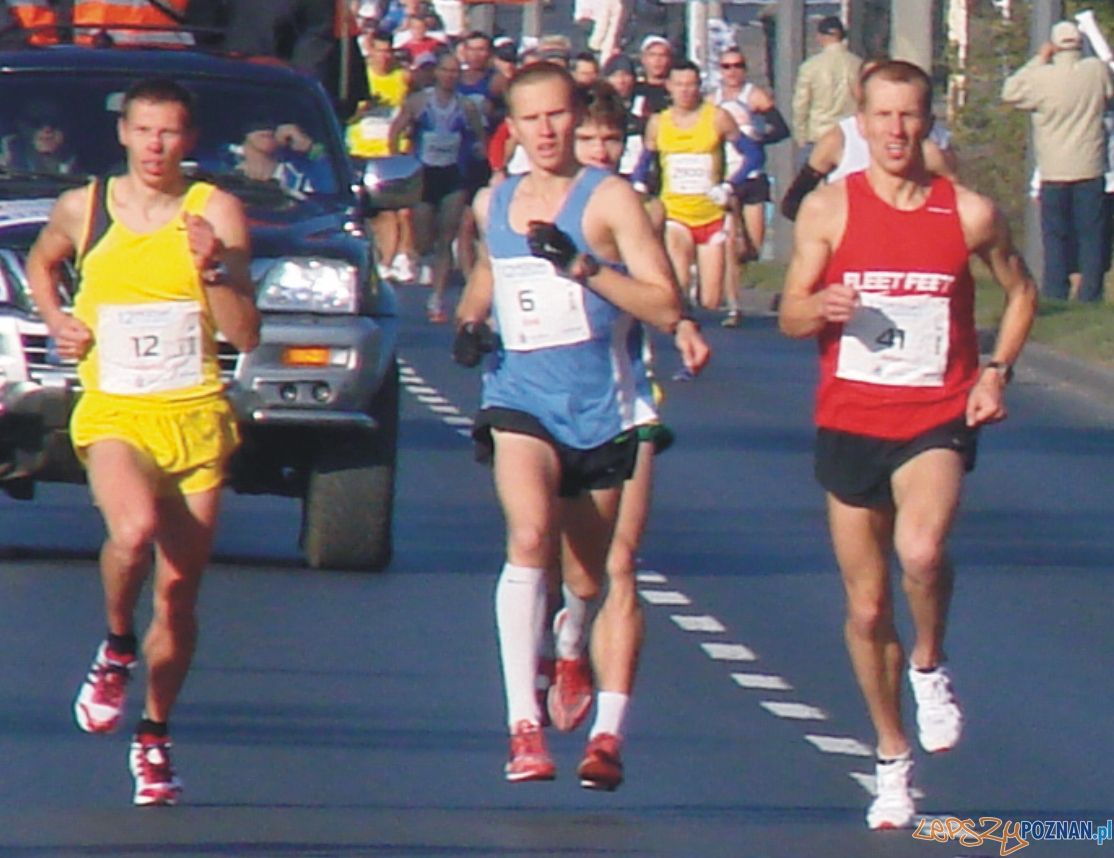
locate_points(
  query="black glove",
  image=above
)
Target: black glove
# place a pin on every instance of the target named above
(549, 242)
(473, 340)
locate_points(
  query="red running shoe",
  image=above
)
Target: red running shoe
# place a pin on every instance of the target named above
(100, 700)
(530, 760)
(570, 695)
(601, 767)
(156, 784)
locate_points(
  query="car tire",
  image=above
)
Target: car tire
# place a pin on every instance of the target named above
(348, 510)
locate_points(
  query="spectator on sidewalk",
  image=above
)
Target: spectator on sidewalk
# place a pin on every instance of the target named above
(825, 88)
(1067, 95)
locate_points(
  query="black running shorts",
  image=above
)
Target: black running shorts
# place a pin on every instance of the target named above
(602, 467)
(858, 469)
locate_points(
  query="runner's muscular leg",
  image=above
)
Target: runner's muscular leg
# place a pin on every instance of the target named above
(184, 543)
(926, 492)
(527, 473)
(618, 631)
(681, 250)
(123, 481)
(709, 267)
(861, 538)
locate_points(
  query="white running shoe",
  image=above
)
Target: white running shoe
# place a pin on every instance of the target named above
(893, 805)
(939, 718)
(425, 275)
(402, 270)
(155, 780)
(100, 700)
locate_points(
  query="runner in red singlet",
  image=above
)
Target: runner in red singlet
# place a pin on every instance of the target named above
(879, 276)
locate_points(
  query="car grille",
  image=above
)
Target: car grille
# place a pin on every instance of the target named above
(40, 363)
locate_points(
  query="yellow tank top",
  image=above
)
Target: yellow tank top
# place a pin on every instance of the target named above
(154, 335)
(691, 165)
(366, 136)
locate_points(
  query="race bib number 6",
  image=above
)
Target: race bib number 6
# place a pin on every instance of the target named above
(896, 340)
(149, 348)
(536, 307)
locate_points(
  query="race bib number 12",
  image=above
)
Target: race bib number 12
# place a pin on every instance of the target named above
(149, 348)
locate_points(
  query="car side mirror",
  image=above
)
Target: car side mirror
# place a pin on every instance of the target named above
(393, 182)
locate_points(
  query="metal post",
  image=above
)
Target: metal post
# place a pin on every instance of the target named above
(790, 51)
(698, 33)
(532, 19)
(1045, 14)
(911, 32)
(481, 16)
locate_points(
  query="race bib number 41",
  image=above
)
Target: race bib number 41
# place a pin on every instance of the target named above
(896, 340)
(149, 348)
(536, 307)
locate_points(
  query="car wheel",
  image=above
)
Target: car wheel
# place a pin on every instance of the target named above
(348, 509)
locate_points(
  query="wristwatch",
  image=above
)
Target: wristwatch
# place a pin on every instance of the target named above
(589, 266)
(214, 274)
(1003, 369)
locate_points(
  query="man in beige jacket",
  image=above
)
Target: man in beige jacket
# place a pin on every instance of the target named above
(825, 90)
(1066, 95)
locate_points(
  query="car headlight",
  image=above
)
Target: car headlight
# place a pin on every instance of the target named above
(309, 285)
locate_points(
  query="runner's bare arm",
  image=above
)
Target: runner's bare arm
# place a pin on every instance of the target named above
(475, 301)
(804, 308)
(828, 151)
(650, 293)
(220, 239)
(938, 161)
(56, 243)
(726, 126)
(402, 121)
(988, 235)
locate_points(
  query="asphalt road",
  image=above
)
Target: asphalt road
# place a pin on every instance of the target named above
(361, 715)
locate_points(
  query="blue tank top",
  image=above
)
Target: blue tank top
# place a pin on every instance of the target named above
(564, 354)
(441, 133)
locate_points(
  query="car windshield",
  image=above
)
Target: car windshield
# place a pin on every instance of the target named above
(270, 139)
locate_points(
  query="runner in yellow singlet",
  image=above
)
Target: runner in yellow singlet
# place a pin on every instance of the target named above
(688, 137)
(163, 265)
(367, 137)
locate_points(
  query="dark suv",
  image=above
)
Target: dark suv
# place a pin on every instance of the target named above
(318, 399)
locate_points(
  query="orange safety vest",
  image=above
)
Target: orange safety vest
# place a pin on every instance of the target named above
(131, 13)
(29, 14)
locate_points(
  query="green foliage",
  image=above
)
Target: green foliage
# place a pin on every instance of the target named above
(992, 138)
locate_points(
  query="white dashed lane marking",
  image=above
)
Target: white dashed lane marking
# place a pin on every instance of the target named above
(729, 652)
(726, 651)
(699, 624)
(765, 681)
(665, 597)
(840, 745)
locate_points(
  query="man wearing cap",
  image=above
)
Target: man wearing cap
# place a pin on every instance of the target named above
(1066, 95)
(650, 93)
(825, 89)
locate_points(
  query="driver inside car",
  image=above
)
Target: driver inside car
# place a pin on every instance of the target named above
(39, 144)
(283, 153)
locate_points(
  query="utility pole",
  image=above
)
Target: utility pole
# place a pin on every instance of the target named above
(788, 55)
(532, 19)
(1045, 14)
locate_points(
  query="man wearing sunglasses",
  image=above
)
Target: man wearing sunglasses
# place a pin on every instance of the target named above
(753, 109)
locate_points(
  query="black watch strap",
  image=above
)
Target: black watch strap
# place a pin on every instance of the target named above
(1002, 368)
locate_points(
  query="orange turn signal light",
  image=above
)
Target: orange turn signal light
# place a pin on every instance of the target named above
(305, 356)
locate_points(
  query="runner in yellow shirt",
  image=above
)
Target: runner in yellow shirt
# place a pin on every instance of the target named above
(163, 265)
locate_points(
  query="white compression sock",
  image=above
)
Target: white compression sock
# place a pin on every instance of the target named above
(570, 638)
(611, 713)
(519, 617)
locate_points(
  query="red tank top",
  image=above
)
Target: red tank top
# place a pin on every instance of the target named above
(907, 360)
